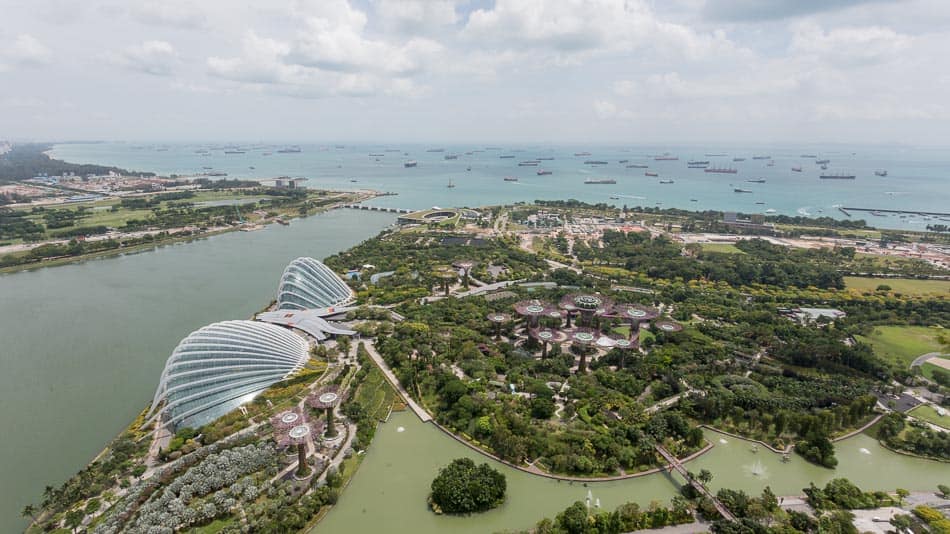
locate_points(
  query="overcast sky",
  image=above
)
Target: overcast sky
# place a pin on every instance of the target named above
(615, 71)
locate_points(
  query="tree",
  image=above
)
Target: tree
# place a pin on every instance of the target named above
(837, 522)
(944, 490)
(462, 487)
(74, 519)
(573, 520)
(705, 476)
(901, 495)
(29, 511)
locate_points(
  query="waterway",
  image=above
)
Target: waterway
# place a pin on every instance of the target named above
(916, 179)
(392, 483)
(82, 345)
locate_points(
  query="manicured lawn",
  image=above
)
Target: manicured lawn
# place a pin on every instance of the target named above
(926, 413)
(927, 370)
(907, 286)
(725, 248)
(901, 344)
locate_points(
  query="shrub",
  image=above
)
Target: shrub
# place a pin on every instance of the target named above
(462, 487)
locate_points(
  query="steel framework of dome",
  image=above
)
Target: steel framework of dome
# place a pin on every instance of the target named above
(224, 362)
(309, 284)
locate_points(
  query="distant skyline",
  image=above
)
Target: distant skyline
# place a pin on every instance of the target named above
(503, 71)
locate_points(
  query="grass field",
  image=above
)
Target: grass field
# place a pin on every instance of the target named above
(926, 413)
(901, 344)
(907, 286)
(725, 248)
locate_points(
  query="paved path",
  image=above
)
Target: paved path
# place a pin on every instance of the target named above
(387, 372)
(920, 360)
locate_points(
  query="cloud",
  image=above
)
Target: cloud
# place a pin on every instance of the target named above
(416, 17)
(181, 15)
(331, 53)
(849, 45)
(157, 58)
(268, 62)
(24, 51)
(573, 31)
(758, 10)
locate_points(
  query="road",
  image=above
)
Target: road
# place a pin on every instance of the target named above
(922, 359)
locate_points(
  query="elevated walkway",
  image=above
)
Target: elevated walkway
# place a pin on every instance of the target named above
(675, 464)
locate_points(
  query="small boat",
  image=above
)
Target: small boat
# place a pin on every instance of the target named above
(693, 200)
(614, 198)
(451, 185)
(737, 190)
(582, 153)
(410, 163)
(759, 181)
(451, 156)
(738, 159)
(251, 167)
(651, 173)
(822, 161)
(623, 161)
(770, 210)
(542, 172)
(666, 181)
(797, 168)
(824, 167)
(760, 203)
(880, 173)
(282, 222)
(770, 164)
(510, 179)
(468, 168)
(761, 157)
(353, 180)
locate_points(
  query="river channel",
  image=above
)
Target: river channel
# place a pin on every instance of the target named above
(82, 345)
(392, 483)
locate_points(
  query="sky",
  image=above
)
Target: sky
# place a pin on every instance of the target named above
(458, 71)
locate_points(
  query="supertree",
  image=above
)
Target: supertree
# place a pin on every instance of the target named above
(547, 336)
(326, 399)
(589, 307)
(498, 319)
(466, 268)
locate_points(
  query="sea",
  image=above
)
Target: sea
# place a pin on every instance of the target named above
(917, 178)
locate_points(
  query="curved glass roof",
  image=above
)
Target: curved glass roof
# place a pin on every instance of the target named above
(308, 284)
(222, 362)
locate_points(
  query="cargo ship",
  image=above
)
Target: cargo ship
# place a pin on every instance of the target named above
(665, 158)
(234, 152)
(737, 190)
(549, 158)
(436, 150)
(697, 163)
(451, 156)
(542, 172)
(594, 162)
(506, 156)
(623, 161)
(510, 179)
(837, 176)
(410, 163)
(599, 181)
(289, 150)
(738, 159)
(822, 161)
(761, 157)
(808, 156)
(638, 166)
(528, 163)
(582, 153)
(759, 181)
(650, 173)
(721, 170)
(666, 181)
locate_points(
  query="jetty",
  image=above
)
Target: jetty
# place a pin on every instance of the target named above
(902, 212)
(377, 208)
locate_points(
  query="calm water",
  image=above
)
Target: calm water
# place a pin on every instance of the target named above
(917, 178)
(83, 344)
(391, 486)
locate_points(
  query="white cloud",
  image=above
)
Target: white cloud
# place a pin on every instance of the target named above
(571, 31)
(182, 15)
(415, 17)
(150, 57)
(849, 45)
(24, 51)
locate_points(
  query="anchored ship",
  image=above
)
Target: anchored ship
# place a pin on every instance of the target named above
(721, 170)
(880, 173)
(598, 181)
(650, 173)
(542, 172)
(410, 163)
(837, 176)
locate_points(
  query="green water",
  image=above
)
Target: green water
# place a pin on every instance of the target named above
(82, 345)
(391, 486)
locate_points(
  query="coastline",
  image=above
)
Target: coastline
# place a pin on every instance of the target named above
(362, 196)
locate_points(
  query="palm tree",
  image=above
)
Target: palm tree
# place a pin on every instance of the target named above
(29, 511)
